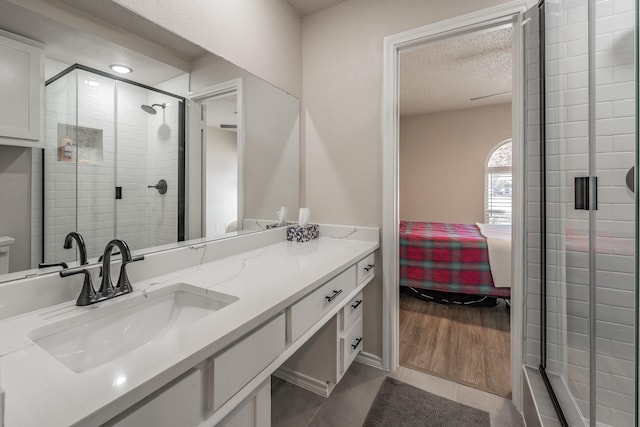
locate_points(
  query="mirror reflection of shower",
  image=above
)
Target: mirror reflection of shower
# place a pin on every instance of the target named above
(164, 130)
(151, 109)
(102, 151)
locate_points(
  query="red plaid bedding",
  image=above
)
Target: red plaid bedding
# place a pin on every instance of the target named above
(447, 258)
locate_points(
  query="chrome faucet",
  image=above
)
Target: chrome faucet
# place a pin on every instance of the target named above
(88, 295)
(82, 247)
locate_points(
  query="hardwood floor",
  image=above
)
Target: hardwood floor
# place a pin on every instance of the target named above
(469, 345)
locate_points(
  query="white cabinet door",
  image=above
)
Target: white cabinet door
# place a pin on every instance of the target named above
(21, 89)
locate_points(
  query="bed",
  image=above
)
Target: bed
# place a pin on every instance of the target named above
(454, 258)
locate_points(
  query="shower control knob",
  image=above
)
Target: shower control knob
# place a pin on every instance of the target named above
(161, 186)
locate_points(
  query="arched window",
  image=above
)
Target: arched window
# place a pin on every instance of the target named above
(497, 207)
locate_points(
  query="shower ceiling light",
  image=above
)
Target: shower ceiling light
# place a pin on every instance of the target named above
(121, 69)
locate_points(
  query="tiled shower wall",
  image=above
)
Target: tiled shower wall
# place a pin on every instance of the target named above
(145, 151)
(615, 226)
(568, 260)
(78, 196)
(161, 219)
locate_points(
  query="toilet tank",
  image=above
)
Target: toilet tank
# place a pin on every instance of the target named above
(5, 247)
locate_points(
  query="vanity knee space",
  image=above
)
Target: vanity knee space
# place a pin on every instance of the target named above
(322, 361)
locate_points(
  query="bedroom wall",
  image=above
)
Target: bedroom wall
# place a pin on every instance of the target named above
(442, 162)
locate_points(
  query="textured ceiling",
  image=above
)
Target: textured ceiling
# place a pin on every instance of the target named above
(445, 75)
(307, 7)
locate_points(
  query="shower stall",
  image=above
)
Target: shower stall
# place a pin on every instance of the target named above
(113, 163)
(582, 210)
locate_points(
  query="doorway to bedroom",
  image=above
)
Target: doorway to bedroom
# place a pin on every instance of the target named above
(455, 207)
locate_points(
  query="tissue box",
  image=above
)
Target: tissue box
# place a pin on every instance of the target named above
(296, 233)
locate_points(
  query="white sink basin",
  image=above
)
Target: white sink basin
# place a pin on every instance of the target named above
(117, 327)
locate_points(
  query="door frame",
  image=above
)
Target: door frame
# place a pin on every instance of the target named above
(511, 12)
(198, 155)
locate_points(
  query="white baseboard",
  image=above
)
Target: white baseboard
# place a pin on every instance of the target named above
(370, 360)
(304, 381)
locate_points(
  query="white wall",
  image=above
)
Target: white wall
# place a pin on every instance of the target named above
(342, 94)
(222, 180)
(342, 89)
(443, 162)
(262, 36)
(272, 139)
(15, 182)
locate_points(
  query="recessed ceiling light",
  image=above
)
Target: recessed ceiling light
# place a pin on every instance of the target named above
(122, 69)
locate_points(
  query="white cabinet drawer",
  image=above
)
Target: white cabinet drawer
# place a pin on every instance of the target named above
(350, 345)
(178, 403)
(230, 370)
(352, 311)
(306, 312)
(366, 267)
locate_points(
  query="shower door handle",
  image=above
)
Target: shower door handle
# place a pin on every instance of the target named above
(161, 186)
(586, 193)
(630, 179)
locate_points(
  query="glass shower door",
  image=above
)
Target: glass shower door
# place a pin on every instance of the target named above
(95, 160)
(567, 229)
(614, 224)
(78, 162)
(146, 206)
(589, 215)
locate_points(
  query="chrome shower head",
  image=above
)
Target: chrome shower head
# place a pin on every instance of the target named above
(151, 108)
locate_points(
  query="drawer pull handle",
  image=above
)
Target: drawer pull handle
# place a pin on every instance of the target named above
(335, 294)
(358, 341)
(358, 302)
(368, 267)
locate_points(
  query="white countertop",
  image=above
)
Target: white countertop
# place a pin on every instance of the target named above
(41, 391)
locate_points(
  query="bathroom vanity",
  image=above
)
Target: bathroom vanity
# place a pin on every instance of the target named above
(197, 345)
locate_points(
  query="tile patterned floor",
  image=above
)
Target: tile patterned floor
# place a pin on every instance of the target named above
(350, 401)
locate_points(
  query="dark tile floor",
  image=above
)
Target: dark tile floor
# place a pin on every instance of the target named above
(350, 401)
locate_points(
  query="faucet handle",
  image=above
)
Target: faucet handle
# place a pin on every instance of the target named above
(88, 294)
(53, 264)
(124, 285)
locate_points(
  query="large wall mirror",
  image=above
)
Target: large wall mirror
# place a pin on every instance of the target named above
(187, 147)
